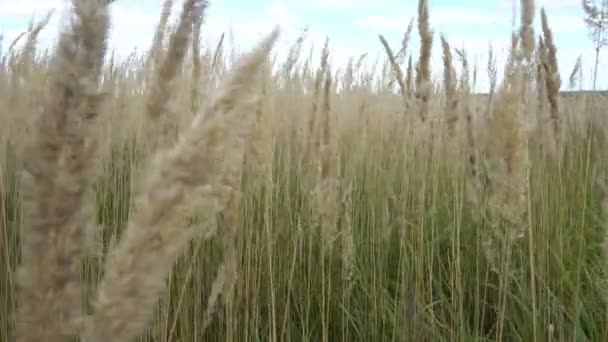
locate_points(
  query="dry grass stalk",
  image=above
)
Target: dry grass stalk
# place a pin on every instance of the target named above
(575, 73)
(218, 55)
(449, 84)
(347, 243)
(15, 41)
(232, 184)
(396, 68)
(553, 82)
(227, 278)
(224, 283)
(349, 76)
(59, 173)
(602, 183)
(212, 147)
(465, 83)
(423, 68)
(474, 184)
(197, 67)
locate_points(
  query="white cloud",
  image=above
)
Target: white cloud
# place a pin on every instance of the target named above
(280, 13)
(382, 23)
(131, 29)
(26, 8)
(549, 5)
(134, 25)
(343, 5)
(454, 16)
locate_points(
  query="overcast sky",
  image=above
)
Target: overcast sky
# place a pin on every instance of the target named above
(351, 25)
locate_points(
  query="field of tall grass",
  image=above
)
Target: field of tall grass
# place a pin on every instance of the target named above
(184, 195)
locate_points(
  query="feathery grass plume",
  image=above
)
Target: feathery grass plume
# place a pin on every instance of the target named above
(449, 84)
(328, 161)
(59, 168)
(326, 192)
(396, 69)
(195, 90)
(507, 153)
(492, 73)
(349, 75)
(574, 74)
(305, 72)
(525, 56)
(553, 82)
(313, 143)
(513, 58)
(541, 86)
(260, 152)
(226, 279)
(293, 56)
(506, 144)
(212, 147)
(156, 51)
(402, 53)
(160, 92)
(474, 183)
(465, 82)
(527, 29)
(423, 68)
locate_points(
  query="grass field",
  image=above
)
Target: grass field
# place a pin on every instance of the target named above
(182, 196)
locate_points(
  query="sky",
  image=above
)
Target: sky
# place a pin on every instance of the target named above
(352, 27)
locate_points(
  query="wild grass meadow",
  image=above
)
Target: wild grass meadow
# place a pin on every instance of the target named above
(182, 195)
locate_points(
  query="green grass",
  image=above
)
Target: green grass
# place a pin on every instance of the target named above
(420, 273)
